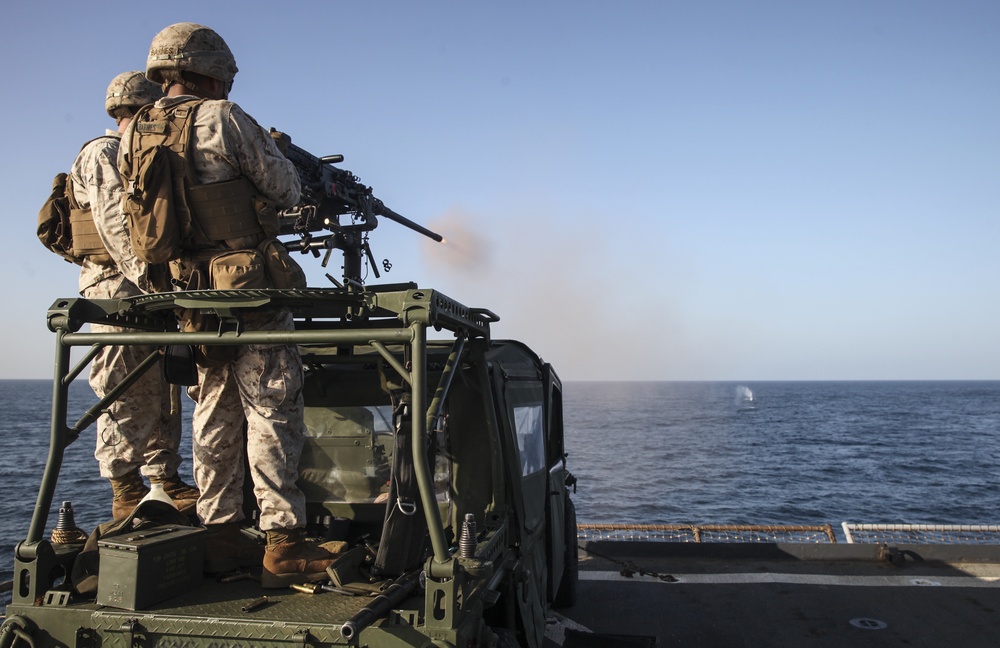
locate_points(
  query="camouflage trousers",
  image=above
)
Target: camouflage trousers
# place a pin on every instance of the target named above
(259, 391)
(142, 429)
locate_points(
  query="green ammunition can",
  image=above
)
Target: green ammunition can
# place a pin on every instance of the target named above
(145, 567)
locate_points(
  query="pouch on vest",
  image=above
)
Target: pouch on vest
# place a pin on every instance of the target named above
(282, 269)
(54, 229)
(87, 243)
(237, 269)
(149, 207)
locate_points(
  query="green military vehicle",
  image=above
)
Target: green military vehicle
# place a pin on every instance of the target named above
(434, 463)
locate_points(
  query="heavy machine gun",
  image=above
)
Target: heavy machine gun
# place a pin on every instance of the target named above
(334, 200)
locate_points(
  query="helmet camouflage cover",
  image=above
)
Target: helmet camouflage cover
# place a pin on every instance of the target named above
(192, 48)
(132, 90)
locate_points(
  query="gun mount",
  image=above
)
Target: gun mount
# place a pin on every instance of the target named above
(335, 200)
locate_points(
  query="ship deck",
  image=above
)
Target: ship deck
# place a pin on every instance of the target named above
(654, 593)
(782, 594)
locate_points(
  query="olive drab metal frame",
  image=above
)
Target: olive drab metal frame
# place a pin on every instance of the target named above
(458, 586)
(395, 314)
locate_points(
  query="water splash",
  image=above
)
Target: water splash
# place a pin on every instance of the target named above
(744, 398)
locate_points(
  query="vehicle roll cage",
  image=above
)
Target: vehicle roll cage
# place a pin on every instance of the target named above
(397, 314)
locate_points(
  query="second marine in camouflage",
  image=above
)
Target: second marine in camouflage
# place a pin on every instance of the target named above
(141, 431)
(234, 176)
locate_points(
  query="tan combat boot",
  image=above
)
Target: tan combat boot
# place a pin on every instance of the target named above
(290, 560)
(185, 497)
(227, 548)
(127, 490)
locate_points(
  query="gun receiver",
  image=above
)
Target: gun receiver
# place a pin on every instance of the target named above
(329, 193)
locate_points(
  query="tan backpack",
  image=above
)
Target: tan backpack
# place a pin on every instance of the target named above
(153, 171)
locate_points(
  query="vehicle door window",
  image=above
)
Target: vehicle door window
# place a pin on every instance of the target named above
(528, 422)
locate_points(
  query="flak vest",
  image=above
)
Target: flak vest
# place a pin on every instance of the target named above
(219, 235)
(87, 243)
(206, 215)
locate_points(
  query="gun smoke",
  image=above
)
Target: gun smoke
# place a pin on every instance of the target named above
(559, 289)
(463, 249)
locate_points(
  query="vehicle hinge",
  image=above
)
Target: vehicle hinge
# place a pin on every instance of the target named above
(86, 638)
(571, 480)
(136, 638)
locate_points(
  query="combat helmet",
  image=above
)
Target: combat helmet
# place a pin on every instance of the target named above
(188, 47)
(131, 90)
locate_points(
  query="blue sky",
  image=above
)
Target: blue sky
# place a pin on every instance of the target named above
(641, 190)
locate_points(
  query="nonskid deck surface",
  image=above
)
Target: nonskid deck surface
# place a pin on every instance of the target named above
(234, 609)
(787, 595)
(676, 594)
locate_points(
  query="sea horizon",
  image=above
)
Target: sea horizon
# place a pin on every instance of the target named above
(667, 452)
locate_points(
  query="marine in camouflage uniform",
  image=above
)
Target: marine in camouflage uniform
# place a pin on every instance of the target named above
(261, 387)
(141, 431)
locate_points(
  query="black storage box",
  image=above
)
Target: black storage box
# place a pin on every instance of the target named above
(142, 568)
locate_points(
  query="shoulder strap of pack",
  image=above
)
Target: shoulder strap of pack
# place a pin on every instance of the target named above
(151, 126)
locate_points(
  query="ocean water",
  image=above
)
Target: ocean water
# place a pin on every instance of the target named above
(785, 452)
(669, 453)
(25, 413)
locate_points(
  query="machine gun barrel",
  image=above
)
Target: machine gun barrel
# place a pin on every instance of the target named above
(382, 210)
(390, 598)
